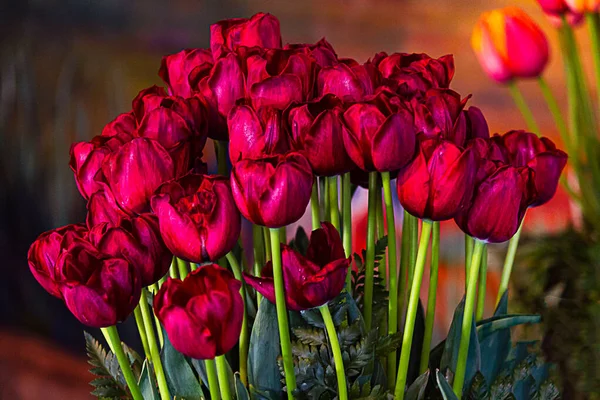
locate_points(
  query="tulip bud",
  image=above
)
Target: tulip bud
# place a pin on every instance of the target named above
(317, 133)
(175, 69)
(98, 289)
(553, 6)
(379, 134)
(122, 124)
(439, 112)
(46, 249)
(256, 134)
(583, 6)
(509, 44)
(138, 241)
(311, 280)
(103, 208)
(274, 191)
(202, 314)
(348, 80)
(197, 216)
(438, 183)
(260, 30)
(322, 52)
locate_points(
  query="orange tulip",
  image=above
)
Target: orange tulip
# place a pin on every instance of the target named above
(583, 6)
(509, 44)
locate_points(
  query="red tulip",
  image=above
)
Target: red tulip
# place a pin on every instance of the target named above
(583, 6)
(102, 207)
(278, 78)
(202, 314)
(122, 124)
(175, 69)
(98, 289)
(131, 180)
(348, 80)
(438, 183)
(379, 133)
(322, 52)
(256, 134)
(138, 241)
(553, 6)
(197, 216)
(260, 30)
(509, 44)
(539, 154)
(317, 133)
(310, 281)
(274, 191)
(46, 249)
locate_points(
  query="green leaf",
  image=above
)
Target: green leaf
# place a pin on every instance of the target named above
(110, 381)
(361, 354)
(180, 376)
(263, 371)
(300, 241)
(488, 326)
(388, 343)
(241, 393)
(478, 389)
(444, 386)
(147, 383)
(416, 391)
(547, 391)
(310, 336)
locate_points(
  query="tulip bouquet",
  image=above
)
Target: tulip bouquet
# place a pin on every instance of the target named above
(296, 126)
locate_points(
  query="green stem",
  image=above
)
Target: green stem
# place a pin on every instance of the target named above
(593, 21)
(173, 271)
(468, 256)
(393, 274)
(221, 362)
(523, 108)
(379, 211)
(283, 235)
(465, 333)
(267, 240)
(113, 335)
(282, 317)
(314, 205)
(221, 148)
(183, 268)
(259, 253)
(411, 313)
(139, 321)
(347, 224)
(213, 381)
(337, 352)
(482, 286)
(561, 125)
(370, 256)
(431, 297)
(154, 352)
(244, 334)
(404, 249)
(412, 247)
(325, 198)
(107, 338)
(334, 207)
(508, 263)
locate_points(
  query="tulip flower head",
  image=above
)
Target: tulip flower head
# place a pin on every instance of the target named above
(509, 44)
(175, 69)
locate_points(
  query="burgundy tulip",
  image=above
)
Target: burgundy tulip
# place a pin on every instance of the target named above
(46, 249)
(311, 280)
(440, 113)
(100, 290)
(539, 154)
(317, 133)
(260, 30)
(278, 78)
(379, 134)
(322, 52)
(122, 124)
(198, 218)
(256, 133)
(135, 171)
(202, 314)
(138, 241)
(274, 191)
(438, 183)
(103, 208)
(348, 80)
(175, 69)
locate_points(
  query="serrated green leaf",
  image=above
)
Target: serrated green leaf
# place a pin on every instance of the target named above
(105, 366)
(388, 343)
(310, 336)
(147, 383)
(108, 391)
(444, 386)
(478, 389)
(181, 379)
(416, 391)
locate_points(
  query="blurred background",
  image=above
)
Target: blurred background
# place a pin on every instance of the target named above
(68, 67)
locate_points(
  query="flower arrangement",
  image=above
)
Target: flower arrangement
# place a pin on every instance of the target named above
(306, 318)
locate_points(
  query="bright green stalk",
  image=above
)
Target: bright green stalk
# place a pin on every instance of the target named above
(244, 334)
(411, 313)
(404, 249)
(593, 20)
(431, 297)
(469, 241)
(139, 321)
(113, 336)
(561, 125)
(283, 235)
(282, 317)
(337, 352)
(314, 205)
(465, 333)
(370, 256)
(154, 352)
(482, 286)
(107, 338)
(523, 108)
(173, 271)
(259, 259)
(154, 289)
(267, 240)
(213, 381)
(223, 381)
(324, 193)
(508, 263)
(221, 151)
(334, 207)
(183, 268)
(412, 247)
(393, 274)
(347, 224)
(379, 211)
